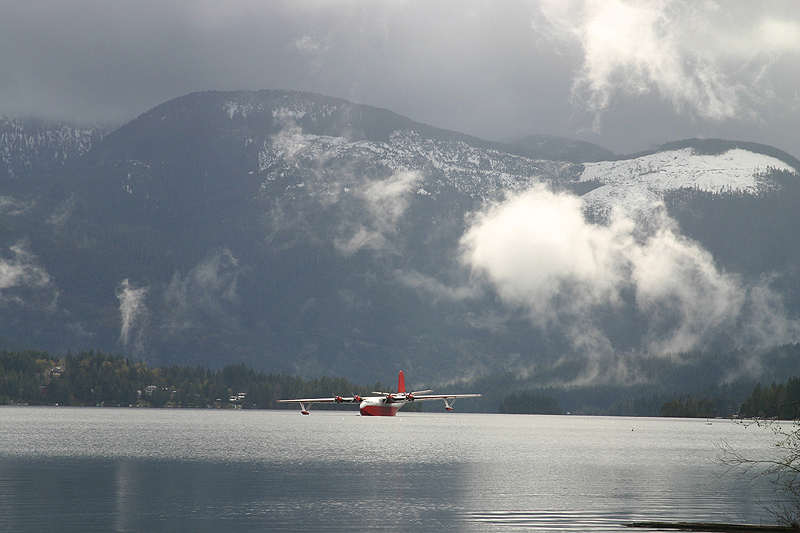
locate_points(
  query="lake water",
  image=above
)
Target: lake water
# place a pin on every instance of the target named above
(95, 469)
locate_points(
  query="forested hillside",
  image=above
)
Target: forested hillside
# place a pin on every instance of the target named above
(777, 400)
(96, 379)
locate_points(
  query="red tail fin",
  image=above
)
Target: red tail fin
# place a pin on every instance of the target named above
(401, 382)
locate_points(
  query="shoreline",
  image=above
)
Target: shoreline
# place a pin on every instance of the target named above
(710, 527)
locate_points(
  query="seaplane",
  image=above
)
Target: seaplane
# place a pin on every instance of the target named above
(385, 403)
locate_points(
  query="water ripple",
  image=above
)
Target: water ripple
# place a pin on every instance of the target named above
(548, 520)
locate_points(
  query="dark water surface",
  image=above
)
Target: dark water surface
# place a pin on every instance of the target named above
(93, 469)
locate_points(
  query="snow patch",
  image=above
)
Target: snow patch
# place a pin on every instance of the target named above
(476, 172)
(636, 185)
(295, 113)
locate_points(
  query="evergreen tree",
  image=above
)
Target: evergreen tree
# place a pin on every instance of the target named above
(528, 403)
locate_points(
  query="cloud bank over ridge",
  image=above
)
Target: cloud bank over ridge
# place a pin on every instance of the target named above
(703, 58)
(496, 70)
(541, 256)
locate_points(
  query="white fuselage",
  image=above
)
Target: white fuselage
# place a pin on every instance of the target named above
(380, 406)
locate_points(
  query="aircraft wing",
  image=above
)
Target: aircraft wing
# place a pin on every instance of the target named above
(332, 399)
(447, 398)
(424, 397)
(305, 403)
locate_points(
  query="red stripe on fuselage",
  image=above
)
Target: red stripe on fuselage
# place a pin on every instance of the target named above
(380, 410)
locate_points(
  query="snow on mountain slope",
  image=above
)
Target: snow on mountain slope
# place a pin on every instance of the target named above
(38, 146)
(476, 172)
(637, 185)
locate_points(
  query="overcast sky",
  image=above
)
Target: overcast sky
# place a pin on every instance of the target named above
(624, 74)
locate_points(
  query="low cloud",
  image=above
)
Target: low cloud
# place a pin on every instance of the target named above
(388, 199)
(134, 315)
(288, 143)
(62, 213)
(534, 244)
(435, 289)
(539, 253)
(385, 202)
(677, 284)
(700, 56)
(207, 290)
(24, 281)
(10, 206)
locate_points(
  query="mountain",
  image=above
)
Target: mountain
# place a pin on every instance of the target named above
(561, 149)
(35, 146)
(307, 234)
(636, 184)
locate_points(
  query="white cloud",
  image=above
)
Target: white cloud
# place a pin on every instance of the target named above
(377, 204)
(536, 244)
(772, 35)
(310, 44)
(208, 289)
(23, 281)
(679, 286)
(62, 213)
(134, 314)
(359, 239)
(10, 206)
(385, 202)
(288, 143)
(21, 269)
(769, 322)
(541, 256)
(699, 56)
(435, 289)
(388, 199)
(539, 253)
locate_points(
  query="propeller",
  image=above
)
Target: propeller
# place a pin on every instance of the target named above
(410, 395)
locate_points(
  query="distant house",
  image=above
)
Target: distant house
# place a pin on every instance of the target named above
(238, 398)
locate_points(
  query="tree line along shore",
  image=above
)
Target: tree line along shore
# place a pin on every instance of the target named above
(90, 378)
(94, 379)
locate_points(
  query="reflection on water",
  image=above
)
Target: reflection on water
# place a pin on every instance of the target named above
(155, 470)
(151, 495)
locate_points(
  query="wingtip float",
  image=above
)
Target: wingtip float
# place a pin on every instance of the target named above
(384, 403)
